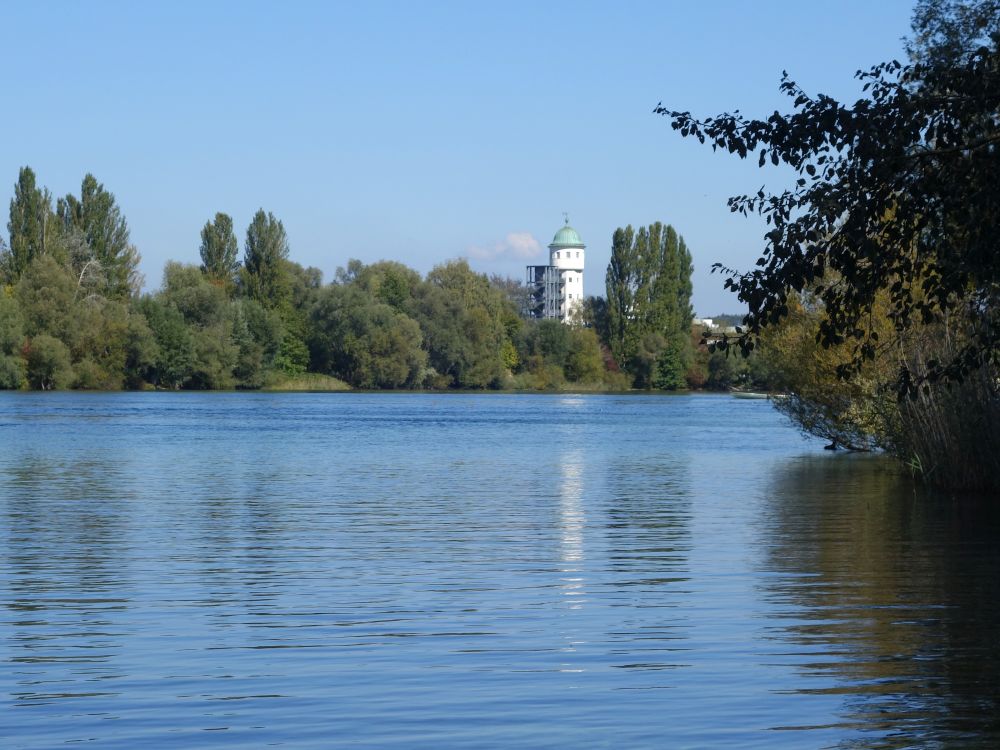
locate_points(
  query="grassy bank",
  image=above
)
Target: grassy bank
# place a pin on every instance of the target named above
(309, 381)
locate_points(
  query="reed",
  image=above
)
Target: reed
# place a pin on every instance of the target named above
(952, 432)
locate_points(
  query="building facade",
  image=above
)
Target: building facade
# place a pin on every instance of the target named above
(556, 290)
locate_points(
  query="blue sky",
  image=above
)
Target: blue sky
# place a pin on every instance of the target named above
(422, 131)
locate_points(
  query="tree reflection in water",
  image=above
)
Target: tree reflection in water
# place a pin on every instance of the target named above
(889, 595)
(68, 589)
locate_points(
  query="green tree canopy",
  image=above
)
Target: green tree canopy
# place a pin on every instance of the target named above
(174, 356)
(584, 363)
(48, 363)
(209, 316)
(364, 341)
(622, 282)
(11, 338)
(219, 251)
(266, 249)
(389, 282)
(200, 302)
(548, 340)
(648, 310)
(98, 218)
(462, 317)
(47, 295)
(31, 225)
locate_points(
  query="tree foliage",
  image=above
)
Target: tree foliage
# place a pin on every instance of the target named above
(31, 225)
(96, 216)
(365, 341)
(949, 434)
(69, 317)
(880, 277)
(846, 412)
(47, 363)
(462, 317)
(389, 282)
(11, 336)
(897, 192)
(946, 32)
(266, 249)
(174, 346)
(622, 281)
(219, 250)
(47, 294)
(648, 311)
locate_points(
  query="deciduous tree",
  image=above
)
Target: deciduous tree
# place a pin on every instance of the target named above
(99, 219)
(219, 250)
(649, 304)
(11, 337)
(48, 363)
(31, 224)
(896, 193)
(266, 249)
(365, 342)
(462, 317)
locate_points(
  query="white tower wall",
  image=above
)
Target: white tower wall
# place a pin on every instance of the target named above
(567, 257)
(572, 294)
(557, 289)
(569, 261)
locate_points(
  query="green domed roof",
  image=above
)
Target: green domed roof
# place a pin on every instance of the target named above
(567, 237)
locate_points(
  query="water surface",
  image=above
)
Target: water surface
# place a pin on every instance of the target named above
(444, 571)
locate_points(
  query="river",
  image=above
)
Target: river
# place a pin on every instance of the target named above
(479, 571)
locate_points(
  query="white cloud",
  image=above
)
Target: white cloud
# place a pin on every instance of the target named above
(516, 246)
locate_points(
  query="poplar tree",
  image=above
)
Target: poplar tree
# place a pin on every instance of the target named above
(97, 216)
(649, 304)
(266, 250)
(621, 282)
(219, 249)
(30, 226)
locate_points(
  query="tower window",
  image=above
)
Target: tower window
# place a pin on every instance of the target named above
(557, 255)
(577, 253)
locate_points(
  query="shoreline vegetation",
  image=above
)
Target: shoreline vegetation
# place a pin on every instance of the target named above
(874, 305)
(309, 382)
(73, 316)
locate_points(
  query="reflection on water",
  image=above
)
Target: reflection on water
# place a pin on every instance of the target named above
(572, 520)
(648, 521)
(891, 599)
(572, 524)
(571, 514)
(477, 571)
(63, 523)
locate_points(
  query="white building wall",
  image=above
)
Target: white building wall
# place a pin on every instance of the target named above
(570, 262)
(567, 257)
(572, 293)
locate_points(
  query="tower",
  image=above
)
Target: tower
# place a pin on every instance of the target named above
(557, 289)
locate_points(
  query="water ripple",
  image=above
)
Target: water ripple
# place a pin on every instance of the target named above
(432, 571)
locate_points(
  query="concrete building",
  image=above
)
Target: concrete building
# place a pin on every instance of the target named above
(556, 290)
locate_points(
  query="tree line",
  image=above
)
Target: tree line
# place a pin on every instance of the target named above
(72, 314)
